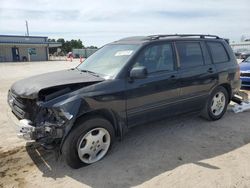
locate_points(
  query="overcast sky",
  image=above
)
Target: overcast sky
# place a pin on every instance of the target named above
(97, 22)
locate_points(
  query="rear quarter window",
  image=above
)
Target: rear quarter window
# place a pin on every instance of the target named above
(218, 52)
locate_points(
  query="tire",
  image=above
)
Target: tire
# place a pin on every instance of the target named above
(88, 142)
(215, 109)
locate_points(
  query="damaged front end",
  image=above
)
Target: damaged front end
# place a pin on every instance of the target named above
(48, 125)
(45, 106)
(48, 118)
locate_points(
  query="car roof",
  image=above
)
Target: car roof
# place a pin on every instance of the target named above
(150, 38)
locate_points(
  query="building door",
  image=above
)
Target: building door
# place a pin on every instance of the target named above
(15, 54)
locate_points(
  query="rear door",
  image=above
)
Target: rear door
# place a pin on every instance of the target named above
(198, 74)
(154, 96)
(226, 67)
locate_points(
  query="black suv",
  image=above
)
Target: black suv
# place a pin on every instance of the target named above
(125, 83)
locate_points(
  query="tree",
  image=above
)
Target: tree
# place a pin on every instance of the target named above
(61, 40)
(92, 47)
(68, 46)
(51, 40)
(76, 44)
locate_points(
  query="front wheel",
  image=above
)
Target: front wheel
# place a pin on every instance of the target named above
(88, 143)
(216, 105)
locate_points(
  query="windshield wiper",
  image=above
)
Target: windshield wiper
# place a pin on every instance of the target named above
(90, 72)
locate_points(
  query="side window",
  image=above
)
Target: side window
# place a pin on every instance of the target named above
(190, 54)
(156, 58)
(218, 52)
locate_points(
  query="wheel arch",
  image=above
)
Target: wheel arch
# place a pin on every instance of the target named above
(103, 113)
(228, 89)
(206, 111)
(107, 114)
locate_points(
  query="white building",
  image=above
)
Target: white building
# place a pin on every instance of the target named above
(241, 46)
(25, 48)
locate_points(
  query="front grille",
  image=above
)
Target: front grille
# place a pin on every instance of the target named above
(245, 83)
(245, 74)
(18, 105)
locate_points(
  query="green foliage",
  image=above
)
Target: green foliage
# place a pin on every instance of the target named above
(67, 46)
(61, 40)
(51, 40)
(92, 47)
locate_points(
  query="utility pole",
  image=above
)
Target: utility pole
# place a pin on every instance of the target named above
(27, 28)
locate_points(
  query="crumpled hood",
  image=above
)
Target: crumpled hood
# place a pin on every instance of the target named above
(30, 87)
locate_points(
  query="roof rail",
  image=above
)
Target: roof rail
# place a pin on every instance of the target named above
(155, 37)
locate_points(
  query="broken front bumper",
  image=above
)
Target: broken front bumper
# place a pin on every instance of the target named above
(44, 133)
(23, 127)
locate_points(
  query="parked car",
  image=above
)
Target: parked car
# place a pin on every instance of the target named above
(242, 53)
(245, 72)
(125, 83)
(245, 55)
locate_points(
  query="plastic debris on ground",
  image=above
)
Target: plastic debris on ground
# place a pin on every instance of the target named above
(242, 102)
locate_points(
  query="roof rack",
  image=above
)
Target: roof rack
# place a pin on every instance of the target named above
(155, 37)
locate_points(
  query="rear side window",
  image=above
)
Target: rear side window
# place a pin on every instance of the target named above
(218, 52)
(190, 54)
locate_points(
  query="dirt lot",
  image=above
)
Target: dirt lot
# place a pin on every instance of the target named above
(180, 152)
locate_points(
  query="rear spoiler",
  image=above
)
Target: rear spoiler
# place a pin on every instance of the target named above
(227, 40)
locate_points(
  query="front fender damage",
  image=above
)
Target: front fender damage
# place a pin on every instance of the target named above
(54, 121)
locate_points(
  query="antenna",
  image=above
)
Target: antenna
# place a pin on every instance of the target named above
(27, 28)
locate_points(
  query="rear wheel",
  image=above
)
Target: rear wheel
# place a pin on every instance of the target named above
(216, 105)
(88, 143)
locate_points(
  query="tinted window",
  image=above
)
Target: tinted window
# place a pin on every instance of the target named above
(156, 58)
(218, 52)
(247, 60)
(190, 54)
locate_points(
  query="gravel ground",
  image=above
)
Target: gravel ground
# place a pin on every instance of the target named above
(178, 152)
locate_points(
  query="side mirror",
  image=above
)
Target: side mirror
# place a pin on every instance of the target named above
(138, 72)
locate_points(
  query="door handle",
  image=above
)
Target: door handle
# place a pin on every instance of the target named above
(172, 77)
(210, 70)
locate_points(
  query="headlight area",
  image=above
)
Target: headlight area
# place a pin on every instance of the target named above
(50, 124)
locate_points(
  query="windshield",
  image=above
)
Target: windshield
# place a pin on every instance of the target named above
(109, 60)
(247, 60)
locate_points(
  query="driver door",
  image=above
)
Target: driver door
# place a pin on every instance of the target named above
(156, 95)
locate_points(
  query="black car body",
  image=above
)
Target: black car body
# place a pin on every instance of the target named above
(48, 106)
